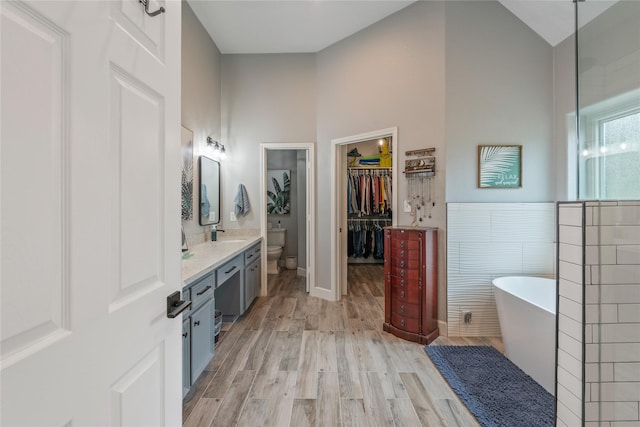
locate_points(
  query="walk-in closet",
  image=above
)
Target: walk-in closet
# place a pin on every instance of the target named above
(369, 199)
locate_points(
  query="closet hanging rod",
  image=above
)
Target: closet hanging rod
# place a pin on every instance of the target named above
(369, 168)
(370, 219)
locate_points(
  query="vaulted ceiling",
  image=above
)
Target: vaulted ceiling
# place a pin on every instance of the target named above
(267, 26)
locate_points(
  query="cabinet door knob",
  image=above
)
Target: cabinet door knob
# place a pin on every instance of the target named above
(403, 308)
(402, 244)
(186, 334)
(402, 282)
(196, 323)
(402, 322)
(402, 254)
(401, 294)
(401, 263)
(402, 272)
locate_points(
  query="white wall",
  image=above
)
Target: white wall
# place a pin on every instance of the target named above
(201, 72)
(499, 80)
(489, 240)
(265, 98)
(446, 80)
(390, 74)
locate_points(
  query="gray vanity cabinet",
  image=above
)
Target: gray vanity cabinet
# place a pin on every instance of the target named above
(197, 329)
(230, 287)
(201, 345)
(252, 275)
(186, 357)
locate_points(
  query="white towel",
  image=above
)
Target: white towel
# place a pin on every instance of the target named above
(242, 206)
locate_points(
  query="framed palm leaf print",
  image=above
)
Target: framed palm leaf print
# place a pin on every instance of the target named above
(499, 166)
(278, 187)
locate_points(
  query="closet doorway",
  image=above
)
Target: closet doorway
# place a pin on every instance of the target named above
(297, 161)
(355, 221)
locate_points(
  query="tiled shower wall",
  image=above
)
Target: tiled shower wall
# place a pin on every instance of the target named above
(489, 240)
(570, 343)
(610, 260)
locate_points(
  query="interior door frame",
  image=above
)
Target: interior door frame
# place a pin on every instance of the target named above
(338, 201)
(309, 148)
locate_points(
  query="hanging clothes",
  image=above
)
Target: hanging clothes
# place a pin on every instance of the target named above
(368, 192)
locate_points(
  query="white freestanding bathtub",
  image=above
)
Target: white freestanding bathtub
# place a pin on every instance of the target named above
(527, 315)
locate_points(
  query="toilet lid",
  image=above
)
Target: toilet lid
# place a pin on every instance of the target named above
(273, 248)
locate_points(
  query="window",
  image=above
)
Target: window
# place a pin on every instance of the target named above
(609, 158)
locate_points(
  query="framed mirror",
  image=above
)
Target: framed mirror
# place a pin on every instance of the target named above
(209, 191)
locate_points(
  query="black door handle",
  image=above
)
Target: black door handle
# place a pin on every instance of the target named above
(175, 305)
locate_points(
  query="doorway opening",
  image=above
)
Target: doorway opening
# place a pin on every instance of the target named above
(287, 206)
(354, 219)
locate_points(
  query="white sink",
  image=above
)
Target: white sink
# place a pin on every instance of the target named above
(232, 240)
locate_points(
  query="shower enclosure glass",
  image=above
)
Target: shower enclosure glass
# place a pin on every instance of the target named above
(608, 103)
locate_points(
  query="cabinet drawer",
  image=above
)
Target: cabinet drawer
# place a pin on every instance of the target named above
(405, 295)
(403, 308)
(404, 244)
(411, 275)
(408, 263)
(252, 254)
(405, 254)
(225, 271)
(405, 323)
(202, 291)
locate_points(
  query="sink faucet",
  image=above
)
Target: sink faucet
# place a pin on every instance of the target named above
(214, 233)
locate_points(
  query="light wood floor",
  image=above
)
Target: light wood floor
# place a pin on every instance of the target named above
(295, 360)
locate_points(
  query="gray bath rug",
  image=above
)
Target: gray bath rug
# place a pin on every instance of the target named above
(494, 389)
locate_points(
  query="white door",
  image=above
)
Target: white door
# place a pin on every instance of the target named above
(90, 213)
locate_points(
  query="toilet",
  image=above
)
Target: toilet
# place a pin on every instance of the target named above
(276, 238)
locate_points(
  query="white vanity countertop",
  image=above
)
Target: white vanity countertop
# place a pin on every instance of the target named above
(208, 256)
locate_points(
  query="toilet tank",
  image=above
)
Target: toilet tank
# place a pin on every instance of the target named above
(276, 237)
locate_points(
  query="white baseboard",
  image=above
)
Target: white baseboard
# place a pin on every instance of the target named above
(442, 328)
(302, 272)
(322, 293)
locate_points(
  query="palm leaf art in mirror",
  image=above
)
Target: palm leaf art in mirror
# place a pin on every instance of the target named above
(278, 187)
(500, 166)
(187, 174)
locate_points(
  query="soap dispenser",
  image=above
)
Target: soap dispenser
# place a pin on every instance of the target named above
(214, 233)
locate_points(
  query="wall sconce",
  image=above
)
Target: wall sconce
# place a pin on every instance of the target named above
(216, 147)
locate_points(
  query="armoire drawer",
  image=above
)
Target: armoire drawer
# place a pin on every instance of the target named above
(405, 323)
(405, 309)
(407, 295)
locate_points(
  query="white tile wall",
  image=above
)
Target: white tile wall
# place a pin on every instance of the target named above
(612, 314)
(489, 240)
(629, 313)
(571, 323)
